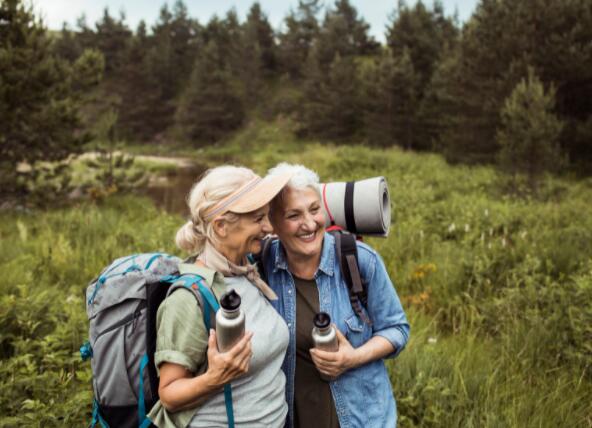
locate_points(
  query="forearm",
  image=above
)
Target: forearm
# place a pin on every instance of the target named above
(376, 348)
(188, 392)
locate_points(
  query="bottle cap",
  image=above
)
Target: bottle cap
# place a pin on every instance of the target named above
(230, 300)
(322, 320)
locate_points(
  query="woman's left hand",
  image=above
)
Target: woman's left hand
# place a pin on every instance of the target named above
(334, 363)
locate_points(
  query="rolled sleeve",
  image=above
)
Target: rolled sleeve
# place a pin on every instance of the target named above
(397, 337)
(384, 306)
(175, 357)
(181, 333)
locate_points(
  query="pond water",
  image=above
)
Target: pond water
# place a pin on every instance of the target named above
(170, 191)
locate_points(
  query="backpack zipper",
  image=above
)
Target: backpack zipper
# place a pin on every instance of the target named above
(131, 317)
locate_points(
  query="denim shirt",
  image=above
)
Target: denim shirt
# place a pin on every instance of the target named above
(363, 396)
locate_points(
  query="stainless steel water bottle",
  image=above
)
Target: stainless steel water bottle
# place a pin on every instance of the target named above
(230, 321)
(324, 336)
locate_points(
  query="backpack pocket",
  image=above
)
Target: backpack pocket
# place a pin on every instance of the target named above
(117, 352)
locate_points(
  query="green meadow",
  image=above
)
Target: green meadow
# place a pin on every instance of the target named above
(497, 286)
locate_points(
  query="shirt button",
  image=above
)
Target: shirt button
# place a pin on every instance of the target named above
(289, 324)
(290, 291)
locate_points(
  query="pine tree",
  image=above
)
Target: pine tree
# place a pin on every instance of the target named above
(38, 106)
(85, 37)
(230, 41)
(379, 101)
(502, 38)
(169, 62)
(363, 43)
(342, 99)
(302, 28)
(438, 111)
(173, 50)
(343, 33)
(529, 131)
(112, 38)
(66, 46)
(258, 32)
(312, 111)
(391, 105)
(331, 100)
(138, 97)
(425, 34)
(211, 107)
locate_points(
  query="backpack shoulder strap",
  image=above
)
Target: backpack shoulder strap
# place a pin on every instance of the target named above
(347, 253)
(261, 258)
(202, 293)
(208, 302)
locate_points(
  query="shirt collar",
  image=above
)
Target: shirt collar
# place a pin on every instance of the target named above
(327, 263)
(209, 275)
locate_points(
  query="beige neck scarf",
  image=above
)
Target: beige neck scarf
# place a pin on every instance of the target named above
(214, 260)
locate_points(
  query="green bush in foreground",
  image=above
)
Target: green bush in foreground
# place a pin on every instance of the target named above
(498, 291)
(46, 260)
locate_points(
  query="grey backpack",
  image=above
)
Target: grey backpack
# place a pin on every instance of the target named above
(121, 305)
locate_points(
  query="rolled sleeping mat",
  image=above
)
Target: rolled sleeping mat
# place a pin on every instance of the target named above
(362, 207)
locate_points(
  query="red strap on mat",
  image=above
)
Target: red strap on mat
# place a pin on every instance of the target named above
(327, 209)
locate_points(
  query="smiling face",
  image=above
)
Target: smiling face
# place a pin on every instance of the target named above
(299, 221)
(237, 239)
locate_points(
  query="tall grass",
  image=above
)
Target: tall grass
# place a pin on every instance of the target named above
(498, 289)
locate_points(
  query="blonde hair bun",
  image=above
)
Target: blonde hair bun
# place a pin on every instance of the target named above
(215, 185)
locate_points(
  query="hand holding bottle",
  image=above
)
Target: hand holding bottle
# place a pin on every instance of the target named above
(224, 367)
(333, 364)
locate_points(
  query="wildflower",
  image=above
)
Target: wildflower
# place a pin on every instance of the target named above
(418, 274)
(452, 228)
(432, 340)
(504, 241)
(486, 212)
(467, 227)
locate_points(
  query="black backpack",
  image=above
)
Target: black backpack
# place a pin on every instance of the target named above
(347, 253)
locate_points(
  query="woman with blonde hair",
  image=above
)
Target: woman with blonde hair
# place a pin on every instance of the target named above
(229, 217)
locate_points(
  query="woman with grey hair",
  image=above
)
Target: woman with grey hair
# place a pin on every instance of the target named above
(303, 270)
(229, 217)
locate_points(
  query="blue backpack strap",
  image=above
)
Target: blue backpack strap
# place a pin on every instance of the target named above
(141, 399)
(146, 423)
(194, 284)
(96, 417)
(210, 306)
(228, 403)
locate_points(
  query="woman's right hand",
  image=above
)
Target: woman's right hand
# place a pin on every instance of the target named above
(227, 366)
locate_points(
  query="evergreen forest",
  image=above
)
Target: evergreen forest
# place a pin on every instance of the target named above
(483, 130)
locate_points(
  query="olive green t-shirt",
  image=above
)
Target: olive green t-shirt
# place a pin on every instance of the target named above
(313, 401)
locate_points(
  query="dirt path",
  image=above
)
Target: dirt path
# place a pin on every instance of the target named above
(166, 160)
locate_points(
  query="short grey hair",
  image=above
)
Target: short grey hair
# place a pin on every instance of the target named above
(302, 177)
